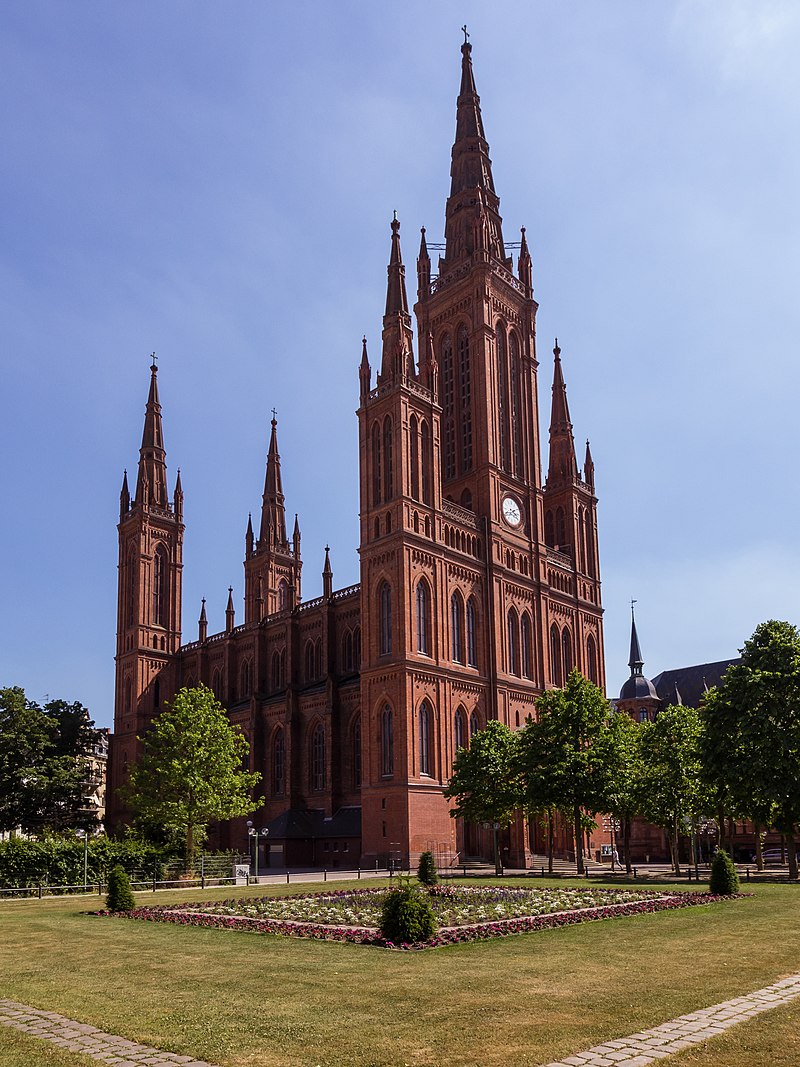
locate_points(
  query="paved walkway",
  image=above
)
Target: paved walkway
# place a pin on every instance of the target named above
(639, 1050)
(78, 1037)
(636, 1050)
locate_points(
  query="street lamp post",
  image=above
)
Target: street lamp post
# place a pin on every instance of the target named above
(85, 836)
(255, 833)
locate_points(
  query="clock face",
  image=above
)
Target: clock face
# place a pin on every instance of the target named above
(512, 512)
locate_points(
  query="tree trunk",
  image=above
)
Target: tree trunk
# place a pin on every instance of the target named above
(578, 840)
(792, 857)
(550, 841)
(759, 849)
(720, 826)
(626, 843)
(673, 847)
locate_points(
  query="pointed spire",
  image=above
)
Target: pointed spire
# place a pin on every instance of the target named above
(327, 575)
(364, 372)
(177, 497)
(124, 497)
(230, 613)
(249, 537)
(398, 357)
(636, 662)
(296, 533)
(525, 264)
(202, 622)
(273, 516)
(423, 268)
(588, 467)
(563, 466)
(473, 208)
(151, 484)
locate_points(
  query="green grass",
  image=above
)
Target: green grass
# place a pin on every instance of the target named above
(22, 1050)
(242, 1000)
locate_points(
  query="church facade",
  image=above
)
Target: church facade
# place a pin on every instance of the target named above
(480, 582)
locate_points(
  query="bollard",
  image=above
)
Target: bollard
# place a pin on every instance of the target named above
(325, 874)
(40, 890)
(747, 873)
(464, 870)
(359, 874)
(542, 872)
(635, 875)
(202, 871)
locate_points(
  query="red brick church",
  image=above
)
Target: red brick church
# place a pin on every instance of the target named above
(480, 584)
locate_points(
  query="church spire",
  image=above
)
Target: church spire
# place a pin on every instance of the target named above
(124, 497)
(423, 268)
(230, 612)
(273, 516)
(398, 356)
(151, 484)
(327, 575)
(588, 467)
(202, 622)
(636, 662)
(525, 264)
(364, 372)
(563, 466)
(472, 222)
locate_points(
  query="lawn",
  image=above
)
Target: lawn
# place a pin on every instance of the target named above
(243, 1000)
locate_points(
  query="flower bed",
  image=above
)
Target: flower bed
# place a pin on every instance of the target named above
(463, 913)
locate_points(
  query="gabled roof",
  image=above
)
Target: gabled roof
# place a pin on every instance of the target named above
(686, 685)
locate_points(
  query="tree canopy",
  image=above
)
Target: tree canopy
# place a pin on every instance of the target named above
(190, 773)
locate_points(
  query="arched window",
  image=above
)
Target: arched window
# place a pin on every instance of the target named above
(426, 462)
(159, 586)
(466, 500)
(502, 395)
(591, 659)
(131, 588)
(460, 729)
(555, 657)
(457, 626)
(425, 718)
(318, 757)
(525, 641)
(561, 529)
(283, 595)
(310, 672)
(278, 763)
(423, 618)
(385, 602)
(318, 658)
(347, 651)
(448, 410)
(549, 530)
(357, 751)
(277, 673)
(190, 682)
(247, 679)
(357, 648)
(465, 397)
(413, 433)
(388, 471)
(589, 535)
(513, 642)
(156, 693)
(516, 412)
(582, 540)
(376, 464)
(472, 635)
(387, 741)
(216, 684)
(566, 645)
(474, 725)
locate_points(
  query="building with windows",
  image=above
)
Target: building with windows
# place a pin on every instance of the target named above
(480, 582)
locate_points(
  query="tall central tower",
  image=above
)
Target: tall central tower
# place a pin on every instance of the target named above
(480, 587)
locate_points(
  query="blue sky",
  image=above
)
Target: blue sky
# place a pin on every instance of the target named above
(215, 182)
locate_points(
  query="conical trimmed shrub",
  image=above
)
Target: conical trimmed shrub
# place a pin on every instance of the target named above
(724, 879)
(407, 916)
(120, 897)
(426, 871)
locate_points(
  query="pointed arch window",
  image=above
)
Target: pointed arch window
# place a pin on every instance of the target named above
(247, 679)
(425, 456)
(387, 742)
(591, 660)
(502, 394)
(425, 722)
(526, 646)
(582, 539)
(465, 397)
(472, 633)
(357, 752)
(555, 657)
(159, 586)
(589, 536)
(457, 626)
(448, 410)
(513, 642)
(310, 673)
(561, 529)
(357, 648)
(283, 595)
(347, 651)
(278, 763)
(413, 433)
(216, 684)
(131, 588)
(156, 694)
(549, 530)
(516, 406)
(566, 647)
(474, 725)
(460, 729)
(376, 464)
(318, 757)
(388, 461)
(423, 618)
(385, 606)
(318, 658)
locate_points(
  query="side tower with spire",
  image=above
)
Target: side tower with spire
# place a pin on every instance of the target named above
(149, 593)
(638, 696)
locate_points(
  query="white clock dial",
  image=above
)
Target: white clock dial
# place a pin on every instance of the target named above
(512, 512)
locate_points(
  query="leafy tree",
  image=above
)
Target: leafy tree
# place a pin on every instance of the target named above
(671, 788)
(752, 739)
(485, 781)
(190, 772)
(624, 769)
(565, 754)
(42, 770)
